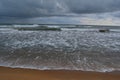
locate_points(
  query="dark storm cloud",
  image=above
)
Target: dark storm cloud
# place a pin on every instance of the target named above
(38, 8)
(93, 6)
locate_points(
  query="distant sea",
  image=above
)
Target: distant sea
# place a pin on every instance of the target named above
(74, 47)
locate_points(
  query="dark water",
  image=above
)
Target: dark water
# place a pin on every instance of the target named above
(71, 49)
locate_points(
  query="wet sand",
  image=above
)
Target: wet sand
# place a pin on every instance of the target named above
(29, 74)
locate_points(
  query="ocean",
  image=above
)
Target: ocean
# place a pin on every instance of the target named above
(70, 48)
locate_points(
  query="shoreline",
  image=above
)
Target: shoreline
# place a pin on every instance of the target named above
(7, 73)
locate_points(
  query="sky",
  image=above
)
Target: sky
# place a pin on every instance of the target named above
(91, 12)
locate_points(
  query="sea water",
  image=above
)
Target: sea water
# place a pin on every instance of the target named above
(83, 48)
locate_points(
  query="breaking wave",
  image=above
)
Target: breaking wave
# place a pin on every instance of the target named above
(67, 49)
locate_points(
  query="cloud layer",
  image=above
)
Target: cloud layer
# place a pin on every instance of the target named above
(35, 8)
(60, 11)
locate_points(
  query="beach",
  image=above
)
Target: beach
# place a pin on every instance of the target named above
(59, 40)
(30, 74)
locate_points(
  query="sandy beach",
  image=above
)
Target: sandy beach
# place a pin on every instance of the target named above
(29, 74)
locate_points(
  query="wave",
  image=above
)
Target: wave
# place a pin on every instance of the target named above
(66, 49)
(60, 26)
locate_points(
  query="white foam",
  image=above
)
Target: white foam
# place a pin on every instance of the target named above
(34, 25)
(61, 68)
(54, 26)
(79, 29)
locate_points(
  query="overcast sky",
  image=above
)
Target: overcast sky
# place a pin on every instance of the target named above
(106, 12)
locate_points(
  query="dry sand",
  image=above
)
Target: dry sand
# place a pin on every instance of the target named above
(29, 74)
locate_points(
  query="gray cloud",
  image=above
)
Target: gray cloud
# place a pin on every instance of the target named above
(39, 8)
(42, 20)
(93, 6)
